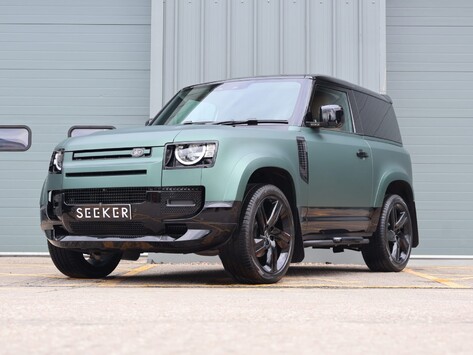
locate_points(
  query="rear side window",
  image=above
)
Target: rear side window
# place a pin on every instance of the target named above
(15, 138)
(377, 117)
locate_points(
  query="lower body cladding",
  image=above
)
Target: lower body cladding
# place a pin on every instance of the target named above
(140, 219)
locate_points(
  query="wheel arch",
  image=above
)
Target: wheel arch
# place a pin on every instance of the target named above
(283, 180)
(404, 189)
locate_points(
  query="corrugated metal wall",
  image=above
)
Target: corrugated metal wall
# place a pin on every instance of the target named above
(203, 40)
(63, 63)
(430, 78)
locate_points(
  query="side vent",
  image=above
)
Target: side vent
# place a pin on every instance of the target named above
(303, 159)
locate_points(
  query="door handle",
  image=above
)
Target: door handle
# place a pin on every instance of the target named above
(362, 154)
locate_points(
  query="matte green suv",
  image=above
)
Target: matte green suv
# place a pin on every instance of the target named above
(253, 170)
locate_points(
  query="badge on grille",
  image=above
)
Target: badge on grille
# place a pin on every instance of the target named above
(137, 152)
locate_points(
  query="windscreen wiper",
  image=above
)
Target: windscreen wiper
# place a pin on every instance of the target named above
(196, 122)
(250, 122)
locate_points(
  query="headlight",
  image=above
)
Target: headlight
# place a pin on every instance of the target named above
(190, 154)
(55, 164)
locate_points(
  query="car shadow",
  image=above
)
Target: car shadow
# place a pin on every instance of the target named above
(217, 276)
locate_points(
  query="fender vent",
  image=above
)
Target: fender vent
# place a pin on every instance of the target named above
(303, 159)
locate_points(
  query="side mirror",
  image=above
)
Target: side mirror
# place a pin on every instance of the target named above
(148, 122)
(329, 116)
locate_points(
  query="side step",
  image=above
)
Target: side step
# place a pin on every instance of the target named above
(325, 241)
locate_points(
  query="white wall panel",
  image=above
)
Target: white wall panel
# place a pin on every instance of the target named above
(218, 39)
(241, 39)
(189, 32)
(215, 31)
(268, 29)
(347, 45)
(64, 63)
(293, 52)
(319, 37)
(430, 72)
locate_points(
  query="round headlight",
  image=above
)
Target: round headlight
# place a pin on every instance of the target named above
(189, 154)
(58, 159)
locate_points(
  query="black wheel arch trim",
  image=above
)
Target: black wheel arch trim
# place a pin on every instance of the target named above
(283, 180)
(404, 189)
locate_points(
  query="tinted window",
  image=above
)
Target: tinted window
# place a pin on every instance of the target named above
(378, 117)
(325, 96)
(15, 138)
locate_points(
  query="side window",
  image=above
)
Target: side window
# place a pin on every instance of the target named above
(325, 96)
(378, 117)
(15, 138)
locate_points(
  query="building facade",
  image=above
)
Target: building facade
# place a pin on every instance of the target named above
(116, 62)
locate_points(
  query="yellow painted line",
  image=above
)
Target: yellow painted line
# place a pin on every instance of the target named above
(446, 282)
(466, 277)
(323, 279)
(114, 281)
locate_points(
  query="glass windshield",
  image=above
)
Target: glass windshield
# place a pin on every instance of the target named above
(260, 100)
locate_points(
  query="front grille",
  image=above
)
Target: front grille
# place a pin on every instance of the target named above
(110, 228)
(136, 195)
(159, 203)
(118, 153)
(107, 195)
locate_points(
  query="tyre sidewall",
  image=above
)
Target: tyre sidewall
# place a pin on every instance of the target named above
(255, 198)
(389, 203)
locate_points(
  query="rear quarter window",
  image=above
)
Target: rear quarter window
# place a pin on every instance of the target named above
(377, 117)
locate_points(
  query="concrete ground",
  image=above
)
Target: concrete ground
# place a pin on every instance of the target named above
(196, 308)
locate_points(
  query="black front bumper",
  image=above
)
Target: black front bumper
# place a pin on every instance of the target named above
(172, 220)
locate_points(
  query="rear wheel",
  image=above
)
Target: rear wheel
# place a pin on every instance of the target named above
(262, 250)
(75, 264)
(390, 247)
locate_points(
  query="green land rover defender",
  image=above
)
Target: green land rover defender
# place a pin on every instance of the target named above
(253, 170)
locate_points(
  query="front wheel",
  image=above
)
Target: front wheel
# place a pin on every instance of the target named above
(79, 265)
(390, 247)
(262, 250)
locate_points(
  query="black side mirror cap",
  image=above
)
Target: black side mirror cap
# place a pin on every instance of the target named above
(148, 122)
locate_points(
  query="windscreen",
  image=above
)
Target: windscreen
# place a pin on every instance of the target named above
(233, 101)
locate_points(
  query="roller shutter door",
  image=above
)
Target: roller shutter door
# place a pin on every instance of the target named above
(64, 63)
(430, 79)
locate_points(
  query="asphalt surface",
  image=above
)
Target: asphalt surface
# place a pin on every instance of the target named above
(196, 308)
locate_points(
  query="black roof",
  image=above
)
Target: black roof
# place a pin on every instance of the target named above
(346, 84)
(318, 79)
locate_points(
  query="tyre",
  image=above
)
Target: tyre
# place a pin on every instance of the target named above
(262, 249)
(390, 246)
(76, 264)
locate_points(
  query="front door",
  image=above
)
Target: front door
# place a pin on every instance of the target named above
(340, 171)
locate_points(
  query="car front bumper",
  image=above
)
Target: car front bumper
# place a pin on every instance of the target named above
(172, 220)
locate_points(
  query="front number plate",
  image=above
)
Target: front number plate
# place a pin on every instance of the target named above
(102, 212)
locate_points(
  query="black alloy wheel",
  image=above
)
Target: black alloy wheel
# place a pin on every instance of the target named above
(262, 250)
(391, 245)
